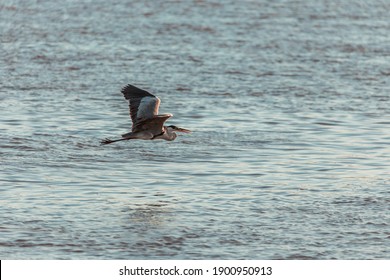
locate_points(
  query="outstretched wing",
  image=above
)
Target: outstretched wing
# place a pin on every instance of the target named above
(153, 125)
(143, 105)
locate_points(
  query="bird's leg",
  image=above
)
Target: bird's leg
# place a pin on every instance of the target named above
(109, 141)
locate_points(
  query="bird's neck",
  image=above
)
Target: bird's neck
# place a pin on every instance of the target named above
(169, 133)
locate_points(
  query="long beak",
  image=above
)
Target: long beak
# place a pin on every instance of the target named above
(183, 130)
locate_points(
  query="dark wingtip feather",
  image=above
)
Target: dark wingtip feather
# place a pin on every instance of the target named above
(131, 91)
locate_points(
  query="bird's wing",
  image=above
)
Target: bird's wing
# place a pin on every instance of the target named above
(153, 125)
(143, 105)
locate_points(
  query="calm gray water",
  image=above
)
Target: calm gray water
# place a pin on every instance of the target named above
(288, 101)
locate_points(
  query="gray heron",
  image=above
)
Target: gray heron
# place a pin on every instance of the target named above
(147, 123)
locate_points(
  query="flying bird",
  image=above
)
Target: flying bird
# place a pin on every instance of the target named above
(147, 123)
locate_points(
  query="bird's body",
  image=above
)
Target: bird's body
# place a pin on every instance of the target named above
(147, 123)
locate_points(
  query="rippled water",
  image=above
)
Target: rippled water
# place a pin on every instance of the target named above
(289, 106)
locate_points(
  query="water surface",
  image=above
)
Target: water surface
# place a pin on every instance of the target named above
(288, 102)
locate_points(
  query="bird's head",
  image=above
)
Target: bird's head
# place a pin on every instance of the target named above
(174, 128)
